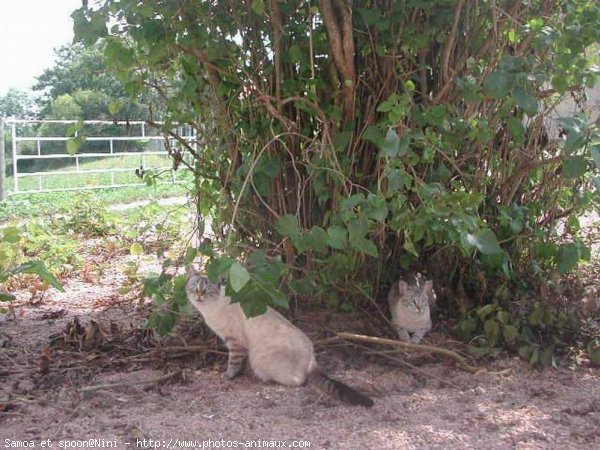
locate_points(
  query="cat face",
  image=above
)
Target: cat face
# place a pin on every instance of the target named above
(417, 294)
(199, 287)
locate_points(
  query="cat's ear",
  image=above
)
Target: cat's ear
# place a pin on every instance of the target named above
(190, 271)
(429, 286)
(402, 287)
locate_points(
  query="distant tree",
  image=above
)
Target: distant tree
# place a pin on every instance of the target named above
(65, 107)
(82, 74)
(17, 103)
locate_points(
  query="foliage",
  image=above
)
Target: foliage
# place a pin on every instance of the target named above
(16, 103)
(79, 86)
(11, 264)
(343, 143)
(534, 332)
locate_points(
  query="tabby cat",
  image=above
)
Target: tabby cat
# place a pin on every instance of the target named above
(276, 349)
(410, 304)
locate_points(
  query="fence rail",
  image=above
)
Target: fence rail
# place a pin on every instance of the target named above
(49, 146)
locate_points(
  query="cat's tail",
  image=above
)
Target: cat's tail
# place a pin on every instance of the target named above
(338, 389)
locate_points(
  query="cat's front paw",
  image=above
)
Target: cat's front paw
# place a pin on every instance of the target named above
(232, 372)
(416, 339)
(402, 334)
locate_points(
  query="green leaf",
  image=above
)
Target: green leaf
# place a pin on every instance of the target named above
(595, 151)
(217, 268)
(258, 6)
(288, 226)
(574, 167)
(595, 356)
(568, 257)
(484, 240)
(357, 228)
(6, 297)
(254, 306)
(165, 323)
(525, 352)
(318, 239)
(369, 16)
(497, 84)
(526, 100)
(502, 316)
(115, 107)
(376, 208)
(391, 145)
(409, 246)
(365, 246)
(510, 333)
(485, 311)
(337, 237)
(12, 235)
(302, 286)
(388, 104)
(238, 276)
(190, 255)
(136, 249)
(492, 331)
(373, 135)
(74, 144)
(39, 268)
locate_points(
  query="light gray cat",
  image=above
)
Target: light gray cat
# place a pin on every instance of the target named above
(276, 349)
(410, 304)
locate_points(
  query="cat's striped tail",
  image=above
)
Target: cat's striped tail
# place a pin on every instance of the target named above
(338, 389)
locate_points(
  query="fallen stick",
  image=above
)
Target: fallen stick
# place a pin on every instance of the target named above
(462, 362)
(99, 387)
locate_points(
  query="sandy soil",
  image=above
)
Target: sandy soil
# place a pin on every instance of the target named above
(50, 371)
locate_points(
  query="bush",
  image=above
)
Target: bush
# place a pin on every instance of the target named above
(340, 144)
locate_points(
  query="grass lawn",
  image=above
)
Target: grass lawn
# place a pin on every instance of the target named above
(39, 204)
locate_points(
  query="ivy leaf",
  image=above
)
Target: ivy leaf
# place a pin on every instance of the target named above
(595, 151)
(190, 254)
(574, 167)
(318, 239)
(526, 100)
(218, 267)
(254, 306)
(238, 276)
(337, 237)
(485, 241)
(391, 145)
(492, 331)
(373, 135)
(288, 226)
(510, 333)
(497, 84)
(377, 208)
(365, 246)
(74, 144)
(568, 257)
(595, 356)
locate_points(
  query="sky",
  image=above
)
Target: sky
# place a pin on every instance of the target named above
(29, 32)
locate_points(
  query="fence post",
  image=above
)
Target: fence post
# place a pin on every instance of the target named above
(2, 162)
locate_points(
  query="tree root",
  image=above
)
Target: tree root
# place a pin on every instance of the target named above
(91, 389)
(463, 363)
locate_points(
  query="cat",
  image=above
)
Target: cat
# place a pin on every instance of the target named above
(276, 349)
(410, 307)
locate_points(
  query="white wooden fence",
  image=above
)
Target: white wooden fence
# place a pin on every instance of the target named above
(137, 143)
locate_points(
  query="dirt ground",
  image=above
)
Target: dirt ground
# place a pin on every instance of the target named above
(103, 377)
